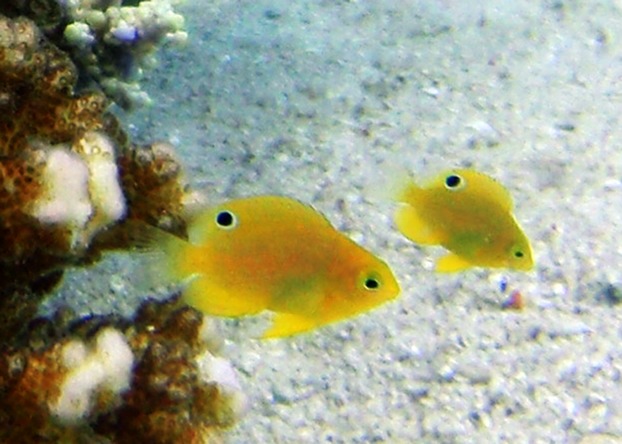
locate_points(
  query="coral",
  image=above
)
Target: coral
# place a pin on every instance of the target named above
(17, 306)
(110, 43)
(157, 378)
(150, 173)
(45, 205)
(67, 170)
(69, 175)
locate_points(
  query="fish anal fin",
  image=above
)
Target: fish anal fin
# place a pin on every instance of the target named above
(286, 324)
(452, 263)
(207, 296)
(415, 228)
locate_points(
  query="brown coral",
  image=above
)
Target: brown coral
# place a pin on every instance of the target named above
(148, 174)
(41, 120)
(37, 107)
(36, 103)
(168, 399)
(36, 91)
(68, 174)
(111, 42)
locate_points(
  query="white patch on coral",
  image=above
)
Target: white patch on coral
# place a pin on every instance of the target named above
(219, 371)
(210, 335)
(117, 359)
(74, 401)
(64, 199)
(103, 183)
(73, 354)
(106, 366)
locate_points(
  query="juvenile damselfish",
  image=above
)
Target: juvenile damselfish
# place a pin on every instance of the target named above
(273, 253)
(468, 213)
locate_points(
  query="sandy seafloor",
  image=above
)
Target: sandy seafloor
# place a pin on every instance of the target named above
(314, 99)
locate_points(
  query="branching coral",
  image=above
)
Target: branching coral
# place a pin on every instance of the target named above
(156, 379)
(111, 43)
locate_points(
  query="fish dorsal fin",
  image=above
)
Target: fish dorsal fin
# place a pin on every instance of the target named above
(452, 263)
(206, 295)
(253, 215)
(286, 324)
(415, 228)
(487, 188)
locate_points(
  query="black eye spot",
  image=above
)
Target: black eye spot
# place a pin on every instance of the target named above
(371, 284)
(453, 181)
(225, 219)
(519, 254)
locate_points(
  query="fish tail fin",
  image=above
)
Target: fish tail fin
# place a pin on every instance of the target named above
(160, 255)
(412, 226)
(393, 183)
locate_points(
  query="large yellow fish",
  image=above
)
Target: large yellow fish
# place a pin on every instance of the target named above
(468, 213)
(274, 253)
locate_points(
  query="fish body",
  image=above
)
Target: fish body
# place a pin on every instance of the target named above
(275, 253)
(468, 213)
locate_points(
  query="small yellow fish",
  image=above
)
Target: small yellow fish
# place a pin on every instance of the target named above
(468, 213)
(273, 253)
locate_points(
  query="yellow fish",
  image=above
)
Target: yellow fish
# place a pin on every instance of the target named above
(468, 213)
(273, 253)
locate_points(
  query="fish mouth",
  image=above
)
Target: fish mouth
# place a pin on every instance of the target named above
(526, 265)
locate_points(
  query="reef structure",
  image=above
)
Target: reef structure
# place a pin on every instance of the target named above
(69, 178)
(67, 170)
(112, 43)
(157, 378)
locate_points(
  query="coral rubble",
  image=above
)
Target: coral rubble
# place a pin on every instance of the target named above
(111, 43)
(156, 379)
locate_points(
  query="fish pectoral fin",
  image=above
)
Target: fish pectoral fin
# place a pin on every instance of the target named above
(452, 263)
(208, 297)
(414, 228)
(286, 324)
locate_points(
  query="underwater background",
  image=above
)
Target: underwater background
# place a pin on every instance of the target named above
(316, 100)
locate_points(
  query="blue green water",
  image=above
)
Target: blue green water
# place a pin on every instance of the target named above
(315, 100)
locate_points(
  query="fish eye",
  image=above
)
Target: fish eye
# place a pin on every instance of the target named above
(226, 220)
(517, 252)
(454, 182)
(371, 283)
